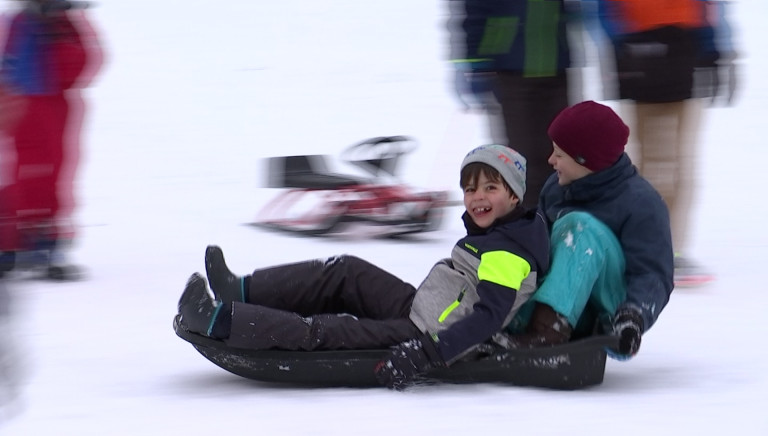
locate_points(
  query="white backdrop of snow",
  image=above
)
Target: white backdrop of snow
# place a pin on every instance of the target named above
(195, 93)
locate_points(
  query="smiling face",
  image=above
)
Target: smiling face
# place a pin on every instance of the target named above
(567, 169)
(486, 200)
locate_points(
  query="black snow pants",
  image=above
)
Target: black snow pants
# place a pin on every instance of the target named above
(342, 302)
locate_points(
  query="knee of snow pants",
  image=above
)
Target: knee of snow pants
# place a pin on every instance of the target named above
(587, 268)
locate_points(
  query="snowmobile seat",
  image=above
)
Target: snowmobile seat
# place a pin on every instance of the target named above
(305, 172)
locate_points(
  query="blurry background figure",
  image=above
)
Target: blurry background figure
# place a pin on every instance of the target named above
(658, 46)
(591, 47)
(512, 59)
(10, 365)
(50, 52)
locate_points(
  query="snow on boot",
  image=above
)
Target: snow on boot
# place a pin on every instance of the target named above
(546, 328)
(198, 310)
(226, 286)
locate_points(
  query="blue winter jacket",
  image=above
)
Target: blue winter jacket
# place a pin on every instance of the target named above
(522, 36)
(635, 212)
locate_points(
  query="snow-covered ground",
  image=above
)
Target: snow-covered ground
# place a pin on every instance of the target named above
(195, 93)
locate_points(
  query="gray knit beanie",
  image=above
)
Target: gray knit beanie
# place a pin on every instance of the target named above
(509, 163)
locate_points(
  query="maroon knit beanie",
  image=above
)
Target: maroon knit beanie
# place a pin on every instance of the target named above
(591, 133)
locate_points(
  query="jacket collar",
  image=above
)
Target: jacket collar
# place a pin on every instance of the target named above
(474, 229)
(594, 185)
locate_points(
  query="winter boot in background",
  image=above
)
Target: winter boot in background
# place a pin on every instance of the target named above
(52, 257)
(7, 262)
(689, 273)
(59, 266)
(545, 329)
(42, 253)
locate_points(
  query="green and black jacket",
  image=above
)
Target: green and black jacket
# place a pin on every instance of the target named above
(520, 36)
(464, 300)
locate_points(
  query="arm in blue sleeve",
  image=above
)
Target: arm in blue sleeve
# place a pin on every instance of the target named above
(648, 253)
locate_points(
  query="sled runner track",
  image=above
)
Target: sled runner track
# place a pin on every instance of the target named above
(575, 365)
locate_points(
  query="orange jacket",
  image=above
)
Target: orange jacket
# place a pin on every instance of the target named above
(641, 15)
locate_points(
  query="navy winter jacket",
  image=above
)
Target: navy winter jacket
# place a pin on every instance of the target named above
(635, 212)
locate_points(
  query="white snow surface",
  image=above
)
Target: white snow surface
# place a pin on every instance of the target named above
(192, 96)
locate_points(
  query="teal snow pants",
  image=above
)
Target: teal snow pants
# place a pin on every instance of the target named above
(585, 282)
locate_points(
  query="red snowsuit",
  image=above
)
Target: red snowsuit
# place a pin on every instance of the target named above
(46, 59)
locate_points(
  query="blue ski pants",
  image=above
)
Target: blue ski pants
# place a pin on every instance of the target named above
(586, 276)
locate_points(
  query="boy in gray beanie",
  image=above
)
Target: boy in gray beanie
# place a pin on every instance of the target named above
(463, 301)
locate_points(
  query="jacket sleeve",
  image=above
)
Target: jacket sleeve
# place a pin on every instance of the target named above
(69, 56)
(501, 274)
(467, 26)
(609, 16)
(648, 254)
(93, 51)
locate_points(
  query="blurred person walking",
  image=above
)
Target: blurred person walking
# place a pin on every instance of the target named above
(660, 46)
(50, 53)
(12, 366)
(511, 60)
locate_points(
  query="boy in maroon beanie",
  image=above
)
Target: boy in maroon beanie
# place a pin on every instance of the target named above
(612, 260)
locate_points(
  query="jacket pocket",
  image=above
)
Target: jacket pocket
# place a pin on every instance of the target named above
(452, 306)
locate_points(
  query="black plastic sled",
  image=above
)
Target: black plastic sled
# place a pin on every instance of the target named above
(575, 365)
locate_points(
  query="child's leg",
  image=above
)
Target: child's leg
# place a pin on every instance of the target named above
(587, 265)
(340, 284)
(261, 328)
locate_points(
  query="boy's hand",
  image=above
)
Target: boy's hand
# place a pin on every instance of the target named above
(406, 361)
(628, 326)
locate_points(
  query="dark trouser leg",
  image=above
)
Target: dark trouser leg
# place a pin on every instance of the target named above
(261, 328)
(528, 107)
(341, 284)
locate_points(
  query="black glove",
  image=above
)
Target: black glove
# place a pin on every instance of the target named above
(628, 326)
(406, 361)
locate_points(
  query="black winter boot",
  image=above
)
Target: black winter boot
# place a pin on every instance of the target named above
(226, 286)
(198, 310)
(7, 262)
(545, 329)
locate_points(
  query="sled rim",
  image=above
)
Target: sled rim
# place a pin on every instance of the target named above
(575, 365)
(205, 341)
